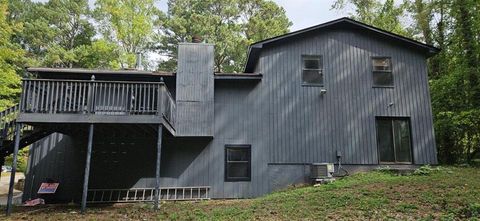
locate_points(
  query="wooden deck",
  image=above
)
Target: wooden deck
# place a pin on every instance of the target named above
(80, 101)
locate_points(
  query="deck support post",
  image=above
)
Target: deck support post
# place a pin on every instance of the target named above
(87, 168)
(157, 170)
(14, 168)
(2, 162)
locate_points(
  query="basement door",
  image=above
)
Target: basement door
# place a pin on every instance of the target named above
(394, 140)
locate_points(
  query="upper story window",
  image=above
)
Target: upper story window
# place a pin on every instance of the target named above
(382, 72)
(312, 70)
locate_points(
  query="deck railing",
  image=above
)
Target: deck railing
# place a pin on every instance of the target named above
(96, 97)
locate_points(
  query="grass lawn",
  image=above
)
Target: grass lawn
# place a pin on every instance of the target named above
(448, 193)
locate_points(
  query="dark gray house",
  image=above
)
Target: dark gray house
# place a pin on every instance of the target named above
(340, 88)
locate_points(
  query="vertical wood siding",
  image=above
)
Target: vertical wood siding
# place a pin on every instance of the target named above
(195, 85)
(310, 127)
(289, 126)
(55, 157)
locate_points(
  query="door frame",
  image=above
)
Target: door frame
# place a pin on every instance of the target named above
(392, 118)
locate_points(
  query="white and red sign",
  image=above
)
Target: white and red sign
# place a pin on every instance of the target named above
(48, 188)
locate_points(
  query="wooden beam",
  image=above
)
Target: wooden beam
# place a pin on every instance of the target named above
(14, 168)
(157, 171)
(88, 118)
(87, 168)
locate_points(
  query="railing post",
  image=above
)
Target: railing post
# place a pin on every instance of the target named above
(22, 96)
(91, 95)
(160, 97)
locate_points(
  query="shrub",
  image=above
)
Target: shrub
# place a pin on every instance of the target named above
(427, 170)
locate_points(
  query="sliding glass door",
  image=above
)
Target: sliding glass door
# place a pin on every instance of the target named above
(394, 140)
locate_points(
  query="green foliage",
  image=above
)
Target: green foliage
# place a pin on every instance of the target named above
(9, 86)
(364, 196)
(21, 160)
(131, 24)
(406, 207)
(52, 30)
(385, 169)
(381, 14)
(470, 211)
(231, 25)
(455, 85)
(10, 56)
(101, 54)
(59, 33)
(425, 170)
(459, 133)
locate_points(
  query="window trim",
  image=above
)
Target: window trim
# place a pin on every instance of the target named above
(321, 68)
(392, 118)
(380, 71)
(249, 170)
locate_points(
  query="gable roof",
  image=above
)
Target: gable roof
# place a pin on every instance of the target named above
(255, 48)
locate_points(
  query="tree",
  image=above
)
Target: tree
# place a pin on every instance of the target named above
(382, 14)
(52, 30)
(101, 54)
(22, 160)
(430, 20)
(231, 25)
(131, 24)
(10, 57)
(454, 83)
(454, 73)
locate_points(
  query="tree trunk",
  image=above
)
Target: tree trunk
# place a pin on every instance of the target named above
(468, 41)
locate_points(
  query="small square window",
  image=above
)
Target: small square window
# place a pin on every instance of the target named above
(312, 70)
(382, 72)
(237, 163)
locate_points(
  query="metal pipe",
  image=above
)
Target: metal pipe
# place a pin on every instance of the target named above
(157, 171)
(14, 168)
(138, 64)
(87, 168)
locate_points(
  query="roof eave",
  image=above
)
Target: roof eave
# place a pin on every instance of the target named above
(95, 72)
(252, 58)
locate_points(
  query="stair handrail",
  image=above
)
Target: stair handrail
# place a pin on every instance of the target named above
(7, 122)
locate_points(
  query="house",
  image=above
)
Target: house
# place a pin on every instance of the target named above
(342, 90)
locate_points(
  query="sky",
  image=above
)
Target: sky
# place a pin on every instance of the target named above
(306, 13)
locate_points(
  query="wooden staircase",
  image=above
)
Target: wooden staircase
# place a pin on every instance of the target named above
(28, 134)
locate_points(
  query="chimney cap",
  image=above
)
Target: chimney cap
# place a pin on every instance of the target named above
(197, 39)
(138, 63)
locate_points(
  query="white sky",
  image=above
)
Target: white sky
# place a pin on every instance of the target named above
(306, 13)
